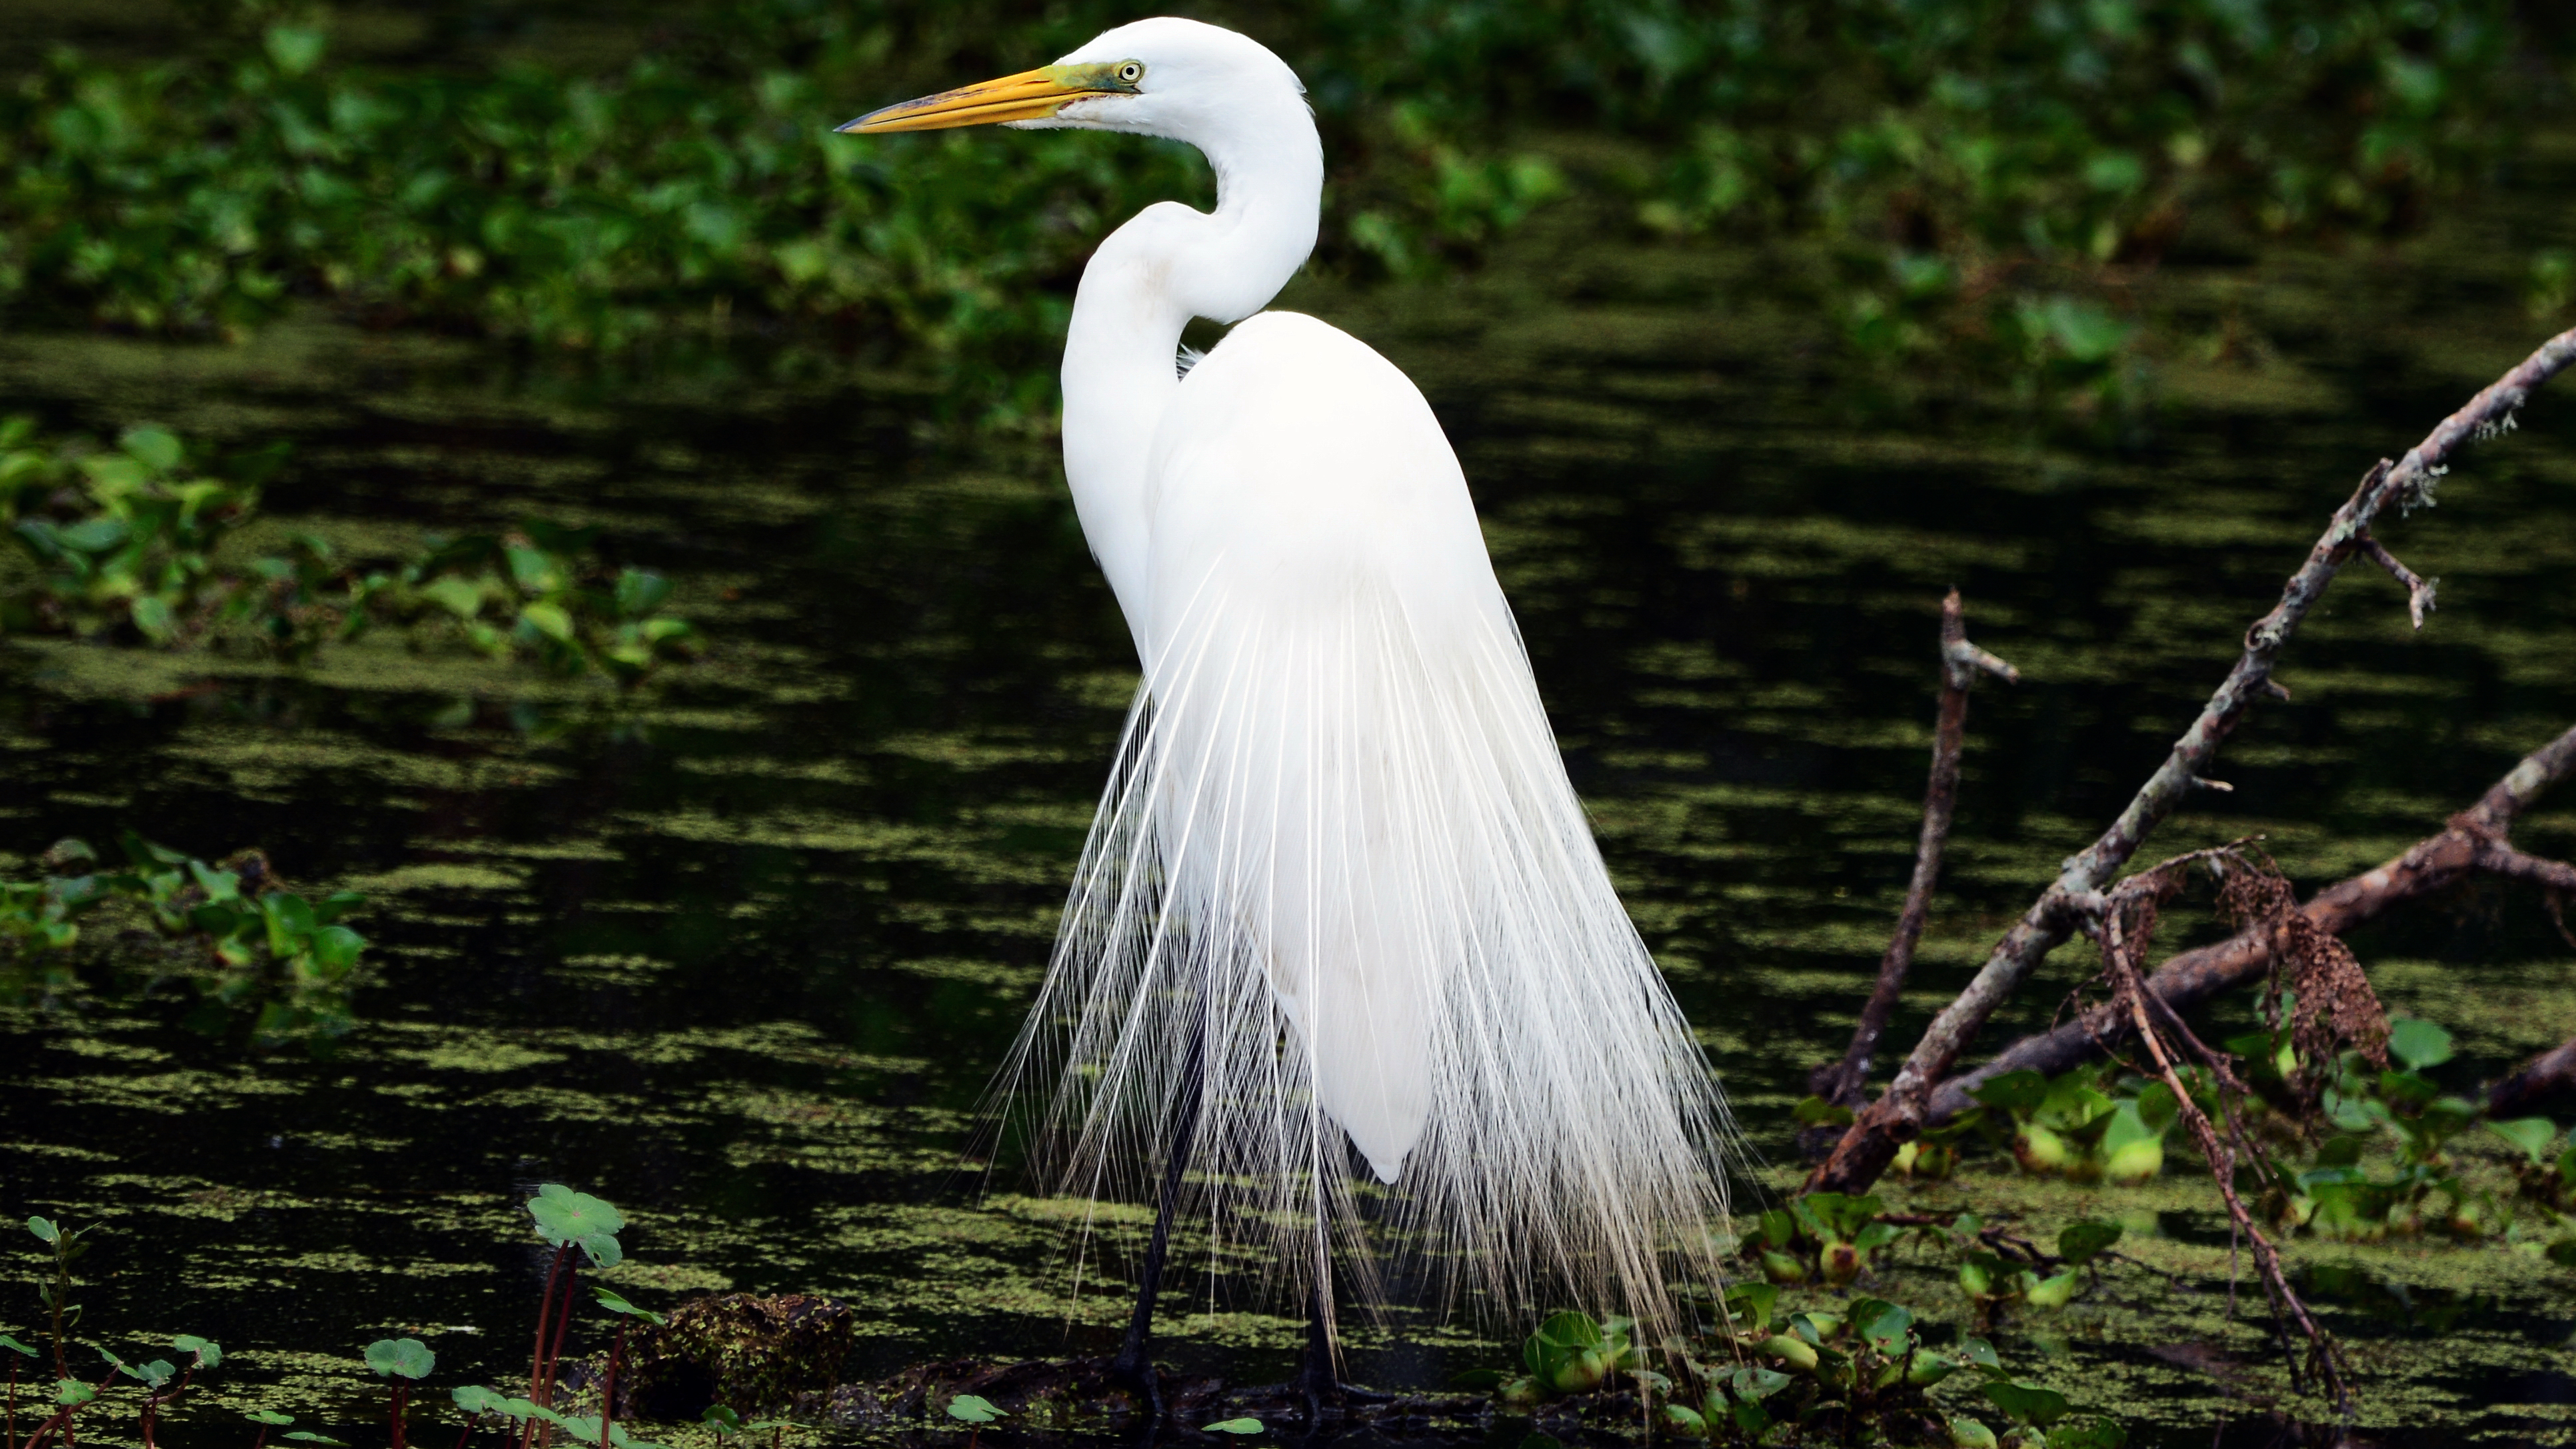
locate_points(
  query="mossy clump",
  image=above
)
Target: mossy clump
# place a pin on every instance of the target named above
(748, 1353)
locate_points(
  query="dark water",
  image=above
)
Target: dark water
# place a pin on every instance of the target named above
(741, 954)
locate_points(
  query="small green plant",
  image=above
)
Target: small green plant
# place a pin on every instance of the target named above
(403, 1362)
(161, 1381)
(127, 544)
(234, 923)
(1826, 1236)
(122, 538)
(2069, 1126)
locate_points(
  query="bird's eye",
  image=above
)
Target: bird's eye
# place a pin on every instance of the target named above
(1131, 72)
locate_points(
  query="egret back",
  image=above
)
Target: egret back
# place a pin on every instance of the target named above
(1340, 842)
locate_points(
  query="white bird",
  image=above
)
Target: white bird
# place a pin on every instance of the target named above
(1339, 885)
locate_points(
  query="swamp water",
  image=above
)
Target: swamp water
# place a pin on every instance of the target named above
(741, 954)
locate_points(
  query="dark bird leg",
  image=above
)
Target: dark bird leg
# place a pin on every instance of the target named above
(1134, 1364)
(1317, 1381)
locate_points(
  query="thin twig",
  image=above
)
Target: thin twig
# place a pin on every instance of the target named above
(1845, 1082)
(2129, 992)
(2419, 591)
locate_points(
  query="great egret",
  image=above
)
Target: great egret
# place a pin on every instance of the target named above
(1339, 885)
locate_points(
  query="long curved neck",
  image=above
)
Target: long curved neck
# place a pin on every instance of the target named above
(1165, 266)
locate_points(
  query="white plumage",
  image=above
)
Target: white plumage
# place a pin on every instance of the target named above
(1339, 840)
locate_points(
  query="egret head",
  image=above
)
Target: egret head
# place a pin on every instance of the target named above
(1164, 77)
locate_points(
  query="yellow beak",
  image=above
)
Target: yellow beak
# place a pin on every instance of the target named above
(1032, 95)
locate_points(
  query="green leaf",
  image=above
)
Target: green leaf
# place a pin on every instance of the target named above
(10, 1343)
(151, 1375)
(71, 1393)
(566, 1216)
(307, 1436)
(461, 597)
(401, 1357)
(152, 616)
(2531, 1134)
(219, 885)
(294, 49)
(45, 1229)
(1234, 1426)
(289, 913)
(2083, 1240)
(549, 620)
(533, 569)
(2090, 1434)
(1753, 1301)
(616, 1304)
(270, 1417)
(2027, 1403)
(155, 448)
(337, 948)
(2419, 1044)
(476, 1399)
(1885, 1325)
(93, 535)
(1817, 1112)
(2019, 1093)
(1981, 1353)
(1754, 1383)
(972, 1409)
(209, 1353)
(640, 592)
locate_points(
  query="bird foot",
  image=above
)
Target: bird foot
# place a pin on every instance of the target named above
(1137, 1372)
(1326, 1397)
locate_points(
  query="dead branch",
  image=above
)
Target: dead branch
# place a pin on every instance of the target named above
(1898, 1114)
(2473, 838)
(1961, 662)
(2134, 905)
(2551, 1071)
(2419, 591)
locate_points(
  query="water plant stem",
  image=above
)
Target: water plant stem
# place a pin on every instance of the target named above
(537, 1355)
(1899, 1113)
(1846, 1082)
(608, 1388)
(395, 1415)
(2464, 846)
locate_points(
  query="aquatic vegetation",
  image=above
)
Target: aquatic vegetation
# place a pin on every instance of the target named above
(232, 925)
(127, 542)
(162, 1382)
(1977, 180)
(1862, 1373)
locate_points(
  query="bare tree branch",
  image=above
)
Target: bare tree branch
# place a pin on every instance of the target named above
(1961, 661)
(1898, 1114)
(2551, 1071)
(2473, 837)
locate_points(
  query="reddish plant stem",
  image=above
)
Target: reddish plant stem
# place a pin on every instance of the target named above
(13, 1402)
(1845, 1082)
(401, 1389)
(554, 1353)
(260, 1439)
(537, 1355)
(608, 1391)
(1899, 1113)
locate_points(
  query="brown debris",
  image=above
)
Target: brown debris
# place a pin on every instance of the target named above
(2334, 1006)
